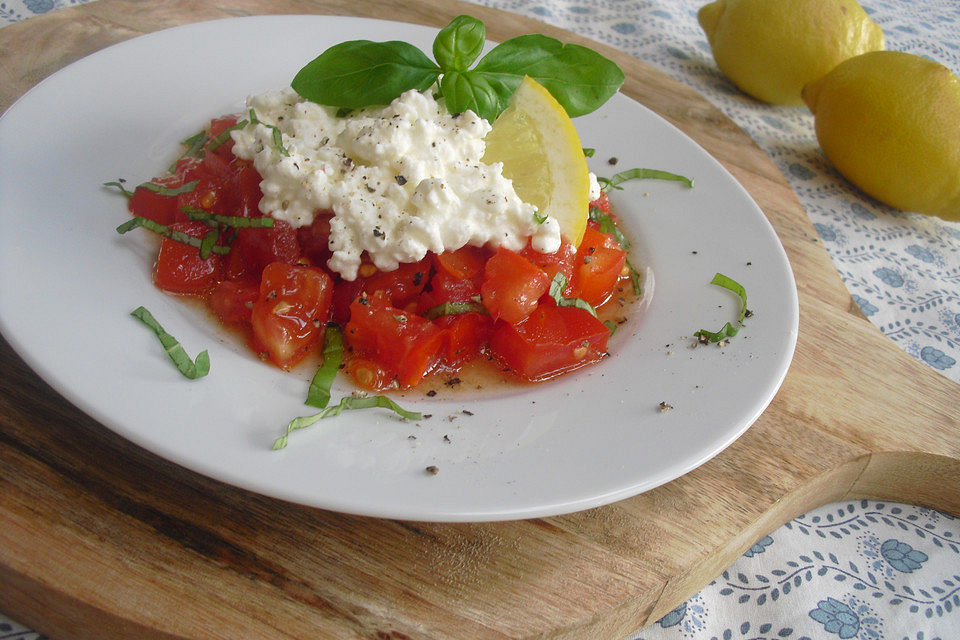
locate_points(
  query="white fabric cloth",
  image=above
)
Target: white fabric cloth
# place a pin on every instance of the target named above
(865, 570)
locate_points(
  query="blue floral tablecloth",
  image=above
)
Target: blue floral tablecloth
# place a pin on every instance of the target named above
(865, 570)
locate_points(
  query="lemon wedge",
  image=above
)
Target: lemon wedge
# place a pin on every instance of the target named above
(541, 153)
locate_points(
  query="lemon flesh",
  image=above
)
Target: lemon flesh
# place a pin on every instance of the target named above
(541, 153)
(771, 48)
(890, 123)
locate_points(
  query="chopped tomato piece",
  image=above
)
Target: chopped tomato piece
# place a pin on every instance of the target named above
(511, 286)
(602, 203)
(404, 344)
(290, 314)
(553, 340)
(401, 287)
(217, 127)
(562, 260)
(465, 262)
(368, 374)
(314, 238)
(179, 267)
(255, 248)
(465, 336)
(162, 209)
(232, 302)
(599, 265)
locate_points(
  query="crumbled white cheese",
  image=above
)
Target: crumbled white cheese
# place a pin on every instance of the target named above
(401, 181)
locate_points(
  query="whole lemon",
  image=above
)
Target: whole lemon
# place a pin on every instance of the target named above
(890, 123)
(772, 48)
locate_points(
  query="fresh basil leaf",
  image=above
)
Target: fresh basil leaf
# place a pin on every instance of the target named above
(459, 43)
(611, 326)
(557, 285)
(119, 184)
(159, 189)
(641, 174)
(167, 232)
(361, 73)
(728, 330)
(588, 152)
(224, 135)
(318, 395)
(347, 403)
(261, 222)
(579, 78)
(184, 364)
(483, 95)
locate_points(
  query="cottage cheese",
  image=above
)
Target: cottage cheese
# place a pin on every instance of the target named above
(401, 181)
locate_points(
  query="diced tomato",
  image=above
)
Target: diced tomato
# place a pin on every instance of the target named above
(599, 265)
(179, 267)
(602, 203)
(369, 374)
(314, 238)
(232, 302)
(560, 261)
(255, 248)
(511, 286)
(465, 262)
(150, 204)
(218, 126)
(465, 336)
(290, 314)
(553, 340)
(402, 343)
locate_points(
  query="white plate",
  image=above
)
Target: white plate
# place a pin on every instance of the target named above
(68, 282)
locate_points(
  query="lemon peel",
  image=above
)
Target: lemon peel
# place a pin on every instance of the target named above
(771, 48)
(889, 121)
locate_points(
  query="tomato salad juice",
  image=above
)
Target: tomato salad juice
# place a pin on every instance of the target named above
(427, 317)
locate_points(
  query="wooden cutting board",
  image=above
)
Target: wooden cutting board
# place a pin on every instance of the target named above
(100, 539)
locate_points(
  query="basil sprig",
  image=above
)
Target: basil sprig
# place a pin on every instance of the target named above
(363, 73)
(184, 364)
(728, 330)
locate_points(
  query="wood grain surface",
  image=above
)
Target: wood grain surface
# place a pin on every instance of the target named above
(100, 539)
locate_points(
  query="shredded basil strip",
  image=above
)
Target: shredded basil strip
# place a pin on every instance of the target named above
(728, 330)
(119, 185)
(539, 219)
(228, 221)
(184, 364)
(224, 135)
(277, 134)
(195, 144)
(454, 308)
(588, 152)
(640, 174)
(557, 285)
(186, 187)
(346, 403)
(319, 393)
(611, 326)
(167, 232)
(635, 279)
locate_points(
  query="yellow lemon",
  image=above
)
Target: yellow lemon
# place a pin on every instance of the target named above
(772, 48)
(541, 153)
(890, 123)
